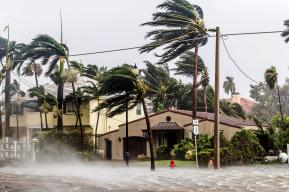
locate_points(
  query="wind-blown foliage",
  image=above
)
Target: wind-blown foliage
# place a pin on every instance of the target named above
(185, 65)
(180, 27)
(229, 85)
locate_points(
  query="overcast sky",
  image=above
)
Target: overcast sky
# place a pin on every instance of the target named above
(95, 25)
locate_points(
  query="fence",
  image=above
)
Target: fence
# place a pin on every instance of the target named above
(13, 149)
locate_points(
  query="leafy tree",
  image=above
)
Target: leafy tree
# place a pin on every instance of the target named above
(246, 146)
(126, 89)
(205, 82)
(232, 109)
(229, 85)
(180, 28)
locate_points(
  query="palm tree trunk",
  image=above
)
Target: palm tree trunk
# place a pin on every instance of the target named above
(205, 98)
(195, 83)
(1, 122)
(95, 134)
(46, 123)
(282, 116)
(60, 107)
(7, 101)
(40, 113)
(150, 136)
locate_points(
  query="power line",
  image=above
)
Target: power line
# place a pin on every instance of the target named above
(235, 63)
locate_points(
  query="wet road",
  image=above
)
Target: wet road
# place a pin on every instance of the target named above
(104, 178)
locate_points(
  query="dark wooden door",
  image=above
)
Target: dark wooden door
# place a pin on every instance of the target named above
(108, 149)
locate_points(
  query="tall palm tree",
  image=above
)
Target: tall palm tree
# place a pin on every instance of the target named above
(49, 51)
(10, 52)
(229, 85)
(126, 89)
(161, 85)
(15, 90)
(205, 82)
(180, 28)
(34, 69)
(271, 78)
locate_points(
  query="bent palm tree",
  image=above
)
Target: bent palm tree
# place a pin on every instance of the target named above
(271, 78)
(34, 69)
(180, 29)
(126, 89)
(10, 52)
(229, 85)
(50, 52)
(161, 85)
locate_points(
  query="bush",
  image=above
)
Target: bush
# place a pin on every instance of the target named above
(51, 145)
(203, 142)
(179, 151)
(163, 152)
(245, 147)
(204, 156)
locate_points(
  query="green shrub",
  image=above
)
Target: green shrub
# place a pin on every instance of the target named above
(163, 152)
(204, 156)
(245, 147)
(179, 151)
(203, 142)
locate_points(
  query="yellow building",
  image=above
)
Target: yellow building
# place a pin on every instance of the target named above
(168, 128)
(29, 119)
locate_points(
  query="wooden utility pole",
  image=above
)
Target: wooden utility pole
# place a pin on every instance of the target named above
(217, 103)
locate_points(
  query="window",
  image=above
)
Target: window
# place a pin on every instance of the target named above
(70, 108)
(138, 109)
(14, 109)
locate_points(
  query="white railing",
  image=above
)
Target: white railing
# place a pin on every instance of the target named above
(13, 149)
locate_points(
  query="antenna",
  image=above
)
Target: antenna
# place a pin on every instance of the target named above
(61, 31)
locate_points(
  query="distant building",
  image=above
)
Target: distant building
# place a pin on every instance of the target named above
(247, 104)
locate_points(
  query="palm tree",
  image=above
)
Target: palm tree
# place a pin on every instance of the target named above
(15, 90)
(126, 89)
(271, 78)
(44, 103)
(34, 69)
(180, 28)
(205, 82)
(229, 85)
(51, 52)
(10, 52)
(232, 109)
(161, 85)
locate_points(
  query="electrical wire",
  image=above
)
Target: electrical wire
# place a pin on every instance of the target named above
(235, 63)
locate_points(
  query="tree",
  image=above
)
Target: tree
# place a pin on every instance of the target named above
(180, 28)
(34, 69)
(44, 103)
(126, 89)
(232, 109)
(271, 77)
(10, 53)
(229, 85)
(205, 82)
(15, 90)
(49, 51)
(162, 86)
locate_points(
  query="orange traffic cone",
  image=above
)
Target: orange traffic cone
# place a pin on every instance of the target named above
(172, 164)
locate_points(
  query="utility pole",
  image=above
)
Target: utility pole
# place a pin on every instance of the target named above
(126, 136)
(217, 103)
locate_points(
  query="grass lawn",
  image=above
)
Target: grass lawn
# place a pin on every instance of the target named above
(164, 163)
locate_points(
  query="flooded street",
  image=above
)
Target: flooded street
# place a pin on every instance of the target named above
(103, 177)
